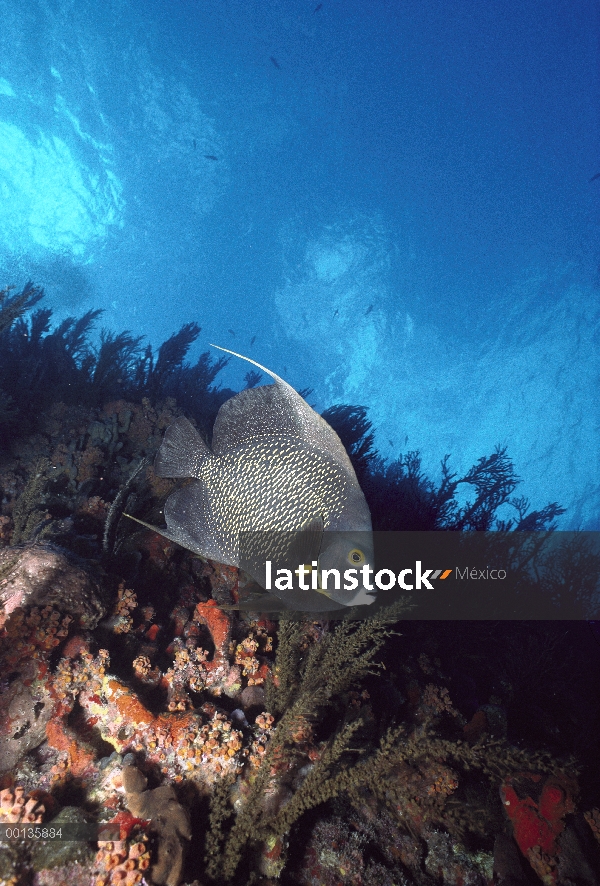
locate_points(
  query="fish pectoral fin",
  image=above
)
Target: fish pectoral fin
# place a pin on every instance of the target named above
(306, 542)
(287, 549)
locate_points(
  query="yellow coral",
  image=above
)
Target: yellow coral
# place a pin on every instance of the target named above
(141, 666)
(121, 862)
(16, 806)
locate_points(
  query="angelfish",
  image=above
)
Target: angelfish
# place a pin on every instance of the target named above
(276, 485)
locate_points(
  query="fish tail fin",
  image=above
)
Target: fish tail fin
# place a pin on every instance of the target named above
(182, 452)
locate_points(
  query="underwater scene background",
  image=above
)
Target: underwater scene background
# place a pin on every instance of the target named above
(394, 207)
(390, 201)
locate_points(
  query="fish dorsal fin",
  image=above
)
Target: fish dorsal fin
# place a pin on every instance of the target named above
(270, 411)
(255, 412)
(182, 452)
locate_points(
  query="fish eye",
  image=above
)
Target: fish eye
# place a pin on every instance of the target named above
(356, 556)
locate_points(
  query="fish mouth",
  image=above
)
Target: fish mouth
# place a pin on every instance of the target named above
(362, 597)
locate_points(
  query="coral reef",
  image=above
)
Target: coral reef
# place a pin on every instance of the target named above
(226, 748)
(168, 819)
(34, 580)
(122, 862)
(18, 807)
(539, 822)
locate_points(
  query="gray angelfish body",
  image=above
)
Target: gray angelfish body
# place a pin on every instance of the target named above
(279, 471)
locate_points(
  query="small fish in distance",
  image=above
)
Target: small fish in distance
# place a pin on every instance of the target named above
(276, 469)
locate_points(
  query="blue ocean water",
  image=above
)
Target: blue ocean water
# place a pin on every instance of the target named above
(389, 203)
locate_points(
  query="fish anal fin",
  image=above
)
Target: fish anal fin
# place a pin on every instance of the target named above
(182, 451)
(306, 543)
(190, 521)
(160, 530)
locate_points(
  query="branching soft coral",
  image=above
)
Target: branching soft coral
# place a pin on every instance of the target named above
(40, 367)
(14, 306)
